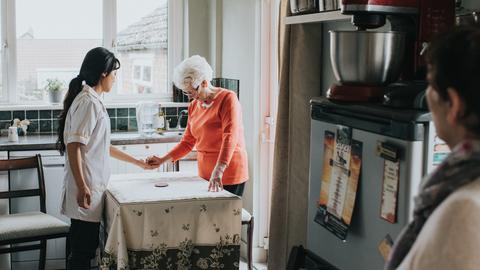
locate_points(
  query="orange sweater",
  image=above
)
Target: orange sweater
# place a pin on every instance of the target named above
(217, 134)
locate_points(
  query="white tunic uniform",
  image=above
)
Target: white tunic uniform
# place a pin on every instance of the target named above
(87, 123)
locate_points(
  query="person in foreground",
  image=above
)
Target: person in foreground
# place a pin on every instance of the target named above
(84, 134)
(444, 232)
(214, 127)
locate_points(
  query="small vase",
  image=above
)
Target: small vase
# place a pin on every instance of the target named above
(55, 96)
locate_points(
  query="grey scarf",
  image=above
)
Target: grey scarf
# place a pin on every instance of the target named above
(461, 167)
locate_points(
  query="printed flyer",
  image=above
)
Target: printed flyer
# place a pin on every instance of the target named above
(341, 170)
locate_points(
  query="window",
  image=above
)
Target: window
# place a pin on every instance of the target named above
(142, 76)
(48, 39)
(2, 38)
(142, 48)
(52, 44)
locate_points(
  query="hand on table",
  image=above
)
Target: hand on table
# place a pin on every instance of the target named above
(215, 183)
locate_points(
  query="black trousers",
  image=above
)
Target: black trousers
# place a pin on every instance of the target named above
(84, 240)
(235, 189)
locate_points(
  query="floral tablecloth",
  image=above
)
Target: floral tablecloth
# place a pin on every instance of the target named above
(181, 226)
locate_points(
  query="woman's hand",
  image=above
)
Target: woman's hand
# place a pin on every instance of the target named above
(215, 183)
(84, 197)
(155, 161)
(120, 155)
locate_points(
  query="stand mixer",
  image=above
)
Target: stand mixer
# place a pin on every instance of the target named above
(367, 62)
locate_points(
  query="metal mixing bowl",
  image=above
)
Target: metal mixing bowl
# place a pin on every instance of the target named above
(367, 57)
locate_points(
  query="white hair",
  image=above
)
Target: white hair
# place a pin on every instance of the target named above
(192, 70)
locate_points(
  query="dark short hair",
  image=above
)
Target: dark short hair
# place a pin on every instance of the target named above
(454, 60)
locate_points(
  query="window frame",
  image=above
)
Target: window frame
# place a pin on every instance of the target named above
(3, 47)
(142, 61)
(8, 54)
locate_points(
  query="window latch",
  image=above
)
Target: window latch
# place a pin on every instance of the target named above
(4, 45)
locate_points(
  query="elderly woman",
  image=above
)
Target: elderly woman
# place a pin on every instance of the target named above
(444, 233)
(214, 128)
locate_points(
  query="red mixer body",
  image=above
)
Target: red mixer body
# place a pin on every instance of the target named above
(427, 18)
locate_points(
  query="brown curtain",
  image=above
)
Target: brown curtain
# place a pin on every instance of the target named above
(300, 73)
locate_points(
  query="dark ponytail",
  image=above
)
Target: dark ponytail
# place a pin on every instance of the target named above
(98, 61)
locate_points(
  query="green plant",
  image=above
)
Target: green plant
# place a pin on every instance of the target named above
(54, 85)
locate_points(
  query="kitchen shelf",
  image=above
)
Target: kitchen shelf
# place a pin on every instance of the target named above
(325, 16)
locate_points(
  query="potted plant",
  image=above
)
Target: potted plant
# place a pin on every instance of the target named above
(22, 126)
(55, 88)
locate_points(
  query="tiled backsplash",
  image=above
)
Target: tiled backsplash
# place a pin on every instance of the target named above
(41, 121)
(46, 121)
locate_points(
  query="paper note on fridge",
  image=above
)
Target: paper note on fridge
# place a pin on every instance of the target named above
(341, 170)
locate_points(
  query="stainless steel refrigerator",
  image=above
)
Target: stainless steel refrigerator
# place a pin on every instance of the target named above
(412, 133)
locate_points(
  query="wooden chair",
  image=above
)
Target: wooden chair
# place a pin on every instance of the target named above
(30, 226)
(247, 219)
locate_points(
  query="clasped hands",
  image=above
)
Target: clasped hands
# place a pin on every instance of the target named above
(155, 162)
(145, 165)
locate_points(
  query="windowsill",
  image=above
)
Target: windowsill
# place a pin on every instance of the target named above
(21, 107)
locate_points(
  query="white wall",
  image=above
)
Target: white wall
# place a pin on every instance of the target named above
(240, 62)
(199, 26)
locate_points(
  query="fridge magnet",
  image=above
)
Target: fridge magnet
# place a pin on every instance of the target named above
(440, 151)
(341, 171)
(390, 191)
(391, 176)
(385, 246)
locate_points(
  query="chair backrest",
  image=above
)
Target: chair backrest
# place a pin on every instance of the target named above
(34, 162)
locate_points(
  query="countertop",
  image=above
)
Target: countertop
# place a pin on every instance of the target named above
(47, 142)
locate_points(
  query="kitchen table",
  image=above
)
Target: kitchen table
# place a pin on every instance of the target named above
(180, 226)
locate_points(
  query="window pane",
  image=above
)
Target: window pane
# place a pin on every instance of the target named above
(142, 41)
(147, 74)
(53, 37)
(137, 70)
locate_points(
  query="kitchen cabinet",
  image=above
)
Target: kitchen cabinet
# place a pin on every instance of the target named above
(53, 171)
(4, 258)
(187, 163)
(188, 166)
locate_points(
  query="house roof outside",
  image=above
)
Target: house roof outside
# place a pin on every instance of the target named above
(151, 32)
